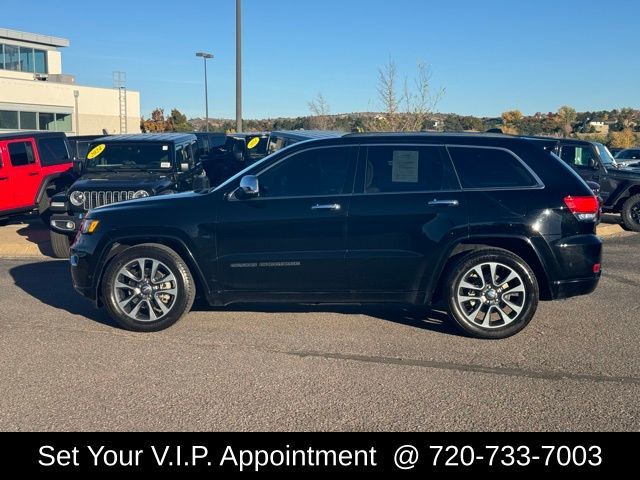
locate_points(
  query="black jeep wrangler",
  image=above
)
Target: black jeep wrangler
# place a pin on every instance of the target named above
(124, 167)
(619, 185)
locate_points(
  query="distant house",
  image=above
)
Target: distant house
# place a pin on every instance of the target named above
(599, 126)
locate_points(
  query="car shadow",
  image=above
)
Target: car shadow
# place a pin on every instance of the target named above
(50, 283)
(611, 218)
(434, 319)
(34, 231)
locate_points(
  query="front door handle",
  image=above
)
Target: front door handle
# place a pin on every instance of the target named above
(3, 179)
(329, 206)
(33, 174)
(443, 203)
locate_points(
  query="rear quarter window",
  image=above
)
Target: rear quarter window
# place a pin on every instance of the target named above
(481, 167)
(53, 151)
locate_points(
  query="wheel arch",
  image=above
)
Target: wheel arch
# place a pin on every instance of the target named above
(520, 246)
(119, 245)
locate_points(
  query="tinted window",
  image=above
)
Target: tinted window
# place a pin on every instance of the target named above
(53, 151)
(135, 156)
(407, 169)
(321, 171)
(629, 155)
(489, 168)
(21, 153)
(578, 156)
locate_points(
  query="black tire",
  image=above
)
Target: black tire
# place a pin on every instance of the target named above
(44, 209)
(498, 291)
(179, 304)
(631, 214)
(60, 244)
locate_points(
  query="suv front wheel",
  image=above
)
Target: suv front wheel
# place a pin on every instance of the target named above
(147, 288)
(491, 293)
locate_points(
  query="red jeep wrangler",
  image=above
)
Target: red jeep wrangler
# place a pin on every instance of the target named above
(33, 167)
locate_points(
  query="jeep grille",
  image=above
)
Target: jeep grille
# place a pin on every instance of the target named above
(97, 199)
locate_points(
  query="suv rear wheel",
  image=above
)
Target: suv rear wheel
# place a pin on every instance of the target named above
(491, 293)
(631, 213)
(147, 288)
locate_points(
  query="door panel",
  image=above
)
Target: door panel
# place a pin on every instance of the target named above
(6, 185)
(396, 232)
(286, 240)
(25, 172)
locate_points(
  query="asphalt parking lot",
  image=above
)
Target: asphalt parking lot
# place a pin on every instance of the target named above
(65, 366)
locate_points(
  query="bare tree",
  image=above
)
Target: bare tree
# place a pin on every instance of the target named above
(409, 110)
(320, 110)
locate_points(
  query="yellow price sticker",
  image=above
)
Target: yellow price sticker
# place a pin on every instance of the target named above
(95, 151)
(253, 142)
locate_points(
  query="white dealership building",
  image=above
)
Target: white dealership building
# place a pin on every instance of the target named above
(36, 95)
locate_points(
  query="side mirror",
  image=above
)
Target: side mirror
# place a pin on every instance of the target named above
(78, 166)
(594, 164)
(249, 186)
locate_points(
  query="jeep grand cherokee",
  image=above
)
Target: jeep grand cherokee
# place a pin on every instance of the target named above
(488, 223)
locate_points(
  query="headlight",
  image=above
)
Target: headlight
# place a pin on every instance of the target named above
(77, 198)
(141, 194)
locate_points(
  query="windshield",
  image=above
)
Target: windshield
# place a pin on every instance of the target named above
(605, 154)
(629, 155)
(134, 156)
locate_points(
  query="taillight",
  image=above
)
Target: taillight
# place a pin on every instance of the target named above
(584, 208)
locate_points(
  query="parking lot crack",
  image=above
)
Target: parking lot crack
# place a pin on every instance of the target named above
(467, 368)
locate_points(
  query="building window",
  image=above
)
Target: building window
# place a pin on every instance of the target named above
(26, 59)
(28, 121)
(11, 58)
(47, 121)
(22, 59)
(63, 122)
(40, 61)
(8, 120)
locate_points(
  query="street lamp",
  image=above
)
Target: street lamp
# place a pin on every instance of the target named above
(205, 56)
(238, 65)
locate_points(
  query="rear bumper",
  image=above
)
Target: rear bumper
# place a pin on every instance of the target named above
(573, 288)
(578, 266)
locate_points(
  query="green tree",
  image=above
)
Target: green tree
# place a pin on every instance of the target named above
(566, 117)
(179, 122)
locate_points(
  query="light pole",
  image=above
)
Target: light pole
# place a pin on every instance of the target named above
(238, 66)
(76, 94)
(205, 56)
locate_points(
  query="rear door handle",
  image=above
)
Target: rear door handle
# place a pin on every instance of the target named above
(443, 203)
(33, 174)
(329, 206)
(4, 178)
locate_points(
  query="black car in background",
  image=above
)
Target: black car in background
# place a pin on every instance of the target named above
(124, 167)
(619, 185)
(629, 157)
(489, 224)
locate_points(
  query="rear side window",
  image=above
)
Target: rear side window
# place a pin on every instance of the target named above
(401, 168)
(580, 157)
(53, 151)
(21, 154)
(490, 168)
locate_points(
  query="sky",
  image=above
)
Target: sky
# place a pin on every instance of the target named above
(490, 56)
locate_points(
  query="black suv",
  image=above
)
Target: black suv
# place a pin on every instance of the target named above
(619, 184)
(124, 167)
(487, 223)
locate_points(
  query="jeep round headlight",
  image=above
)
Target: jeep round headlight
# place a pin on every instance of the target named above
(77, 198)
(141, 194)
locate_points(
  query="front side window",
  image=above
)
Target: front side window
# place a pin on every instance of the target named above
(21, 154)
(580, 157)
(53, 151)
(319, 171)
(129, 156)
(184, 154)
(407, 169)
(490, 168)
